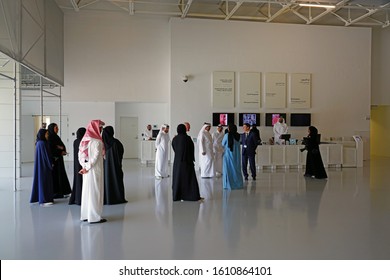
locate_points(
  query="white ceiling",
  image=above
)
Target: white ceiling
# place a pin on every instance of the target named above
(369, 13)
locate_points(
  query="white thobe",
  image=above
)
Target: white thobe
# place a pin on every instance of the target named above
(148, 134)
(93, 183)
(162, 151)
(218, 151)
(206, 162)
(279, 129)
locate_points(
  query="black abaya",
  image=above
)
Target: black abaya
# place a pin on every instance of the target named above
(61, 186)
(114, 189)
(184, 182)
(75, 198)
(314, 164)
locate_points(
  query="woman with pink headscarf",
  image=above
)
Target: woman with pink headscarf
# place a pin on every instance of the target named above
(91, 154)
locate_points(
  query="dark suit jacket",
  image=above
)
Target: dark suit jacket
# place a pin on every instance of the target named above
(250, 142)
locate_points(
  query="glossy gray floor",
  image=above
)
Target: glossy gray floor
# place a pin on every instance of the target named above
(282, 215)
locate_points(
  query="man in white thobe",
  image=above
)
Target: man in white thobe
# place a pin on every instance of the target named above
(148, 133)
(280, 127)
(162, 151)
(218, 150)
(91, 153)
(206, 154)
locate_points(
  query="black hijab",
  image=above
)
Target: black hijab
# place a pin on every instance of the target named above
(232, 135)
(108, 137)
(54, 139)
(80, 133)
(41, 135)
(183, 145)
(181, 129)
(313, 132)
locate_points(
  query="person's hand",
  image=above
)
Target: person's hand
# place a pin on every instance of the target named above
(83, 171)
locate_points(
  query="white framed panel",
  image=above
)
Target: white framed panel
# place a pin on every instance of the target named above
(223, 89)
(300, 90)
(275, 90)
(250, 90)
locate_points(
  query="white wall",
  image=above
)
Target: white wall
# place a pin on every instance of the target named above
(338, 58)
(147, 113)
(116, 57)
(120, 58)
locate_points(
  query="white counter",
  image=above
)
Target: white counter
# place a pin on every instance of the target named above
(148, 152)
(286, 156)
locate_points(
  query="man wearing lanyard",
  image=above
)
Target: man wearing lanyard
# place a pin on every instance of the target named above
(249, 145)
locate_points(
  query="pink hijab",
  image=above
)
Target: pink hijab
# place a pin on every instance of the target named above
(93, 132)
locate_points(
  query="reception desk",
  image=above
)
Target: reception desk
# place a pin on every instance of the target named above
(148, 152)
(290, 156)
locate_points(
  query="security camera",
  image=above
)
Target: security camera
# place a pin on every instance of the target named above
(184, 78)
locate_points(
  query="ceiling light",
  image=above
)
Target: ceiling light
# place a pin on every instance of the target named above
(317, 5)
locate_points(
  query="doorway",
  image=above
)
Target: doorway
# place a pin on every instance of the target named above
(129, 136)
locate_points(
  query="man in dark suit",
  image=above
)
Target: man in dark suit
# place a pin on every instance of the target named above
(249, 143)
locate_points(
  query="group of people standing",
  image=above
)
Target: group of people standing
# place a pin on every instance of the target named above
(98, 173)
(226, 154)
(220, 153)
(50, 180)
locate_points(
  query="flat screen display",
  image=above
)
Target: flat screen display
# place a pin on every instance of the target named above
(272, 118)
(303, 119)
(155, 133)
(251, 118)
(223, 118)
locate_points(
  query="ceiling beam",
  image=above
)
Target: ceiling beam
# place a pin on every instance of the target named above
(328, 11)
(75, 6)
(369, 13)
(284, 8)
(186, 9)
(236, 7)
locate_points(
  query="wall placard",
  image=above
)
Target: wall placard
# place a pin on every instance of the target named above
(300, 90)
(223, 89)
(249, 90)
(275, 90)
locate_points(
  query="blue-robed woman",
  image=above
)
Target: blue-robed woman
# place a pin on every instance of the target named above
(231, 167)
(42, 189)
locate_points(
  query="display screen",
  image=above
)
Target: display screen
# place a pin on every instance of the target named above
(223, 118)
(300, 119)
(251, 118)
(155, 133)
(272, 118)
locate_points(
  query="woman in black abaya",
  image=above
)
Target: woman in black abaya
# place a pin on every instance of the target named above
(61, 186)
(75, 198)
(314, 165)
(184, 182)
(114, 189)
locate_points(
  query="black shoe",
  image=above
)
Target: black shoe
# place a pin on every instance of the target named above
(246, 178)
(85, 220)
(99, 222)
(254, 178)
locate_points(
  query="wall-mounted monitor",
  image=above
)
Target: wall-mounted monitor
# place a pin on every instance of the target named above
(272, 118)
(251, 118)
(223, 118)
(302, 119)
(155, 133)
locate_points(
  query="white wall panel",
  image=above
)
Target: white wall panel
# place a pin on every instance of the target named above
(341, 76)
